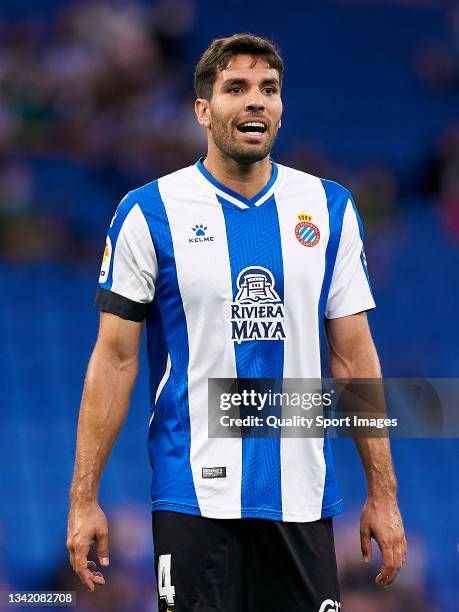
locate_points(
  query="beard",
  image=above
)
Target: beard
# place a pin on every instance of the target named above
(241, 153)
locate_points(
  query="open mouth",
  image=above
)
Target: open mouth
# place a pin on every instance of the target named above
(252, 128)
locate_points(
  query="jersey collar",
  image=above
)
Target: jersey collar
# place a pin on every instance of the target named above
(236, 198)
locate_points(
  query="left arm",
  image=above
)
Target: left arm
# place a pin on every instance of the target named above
(353, 355)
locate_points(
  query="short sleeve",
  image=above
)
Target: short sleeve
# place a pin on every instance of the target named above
(350, 290)
(129, 264)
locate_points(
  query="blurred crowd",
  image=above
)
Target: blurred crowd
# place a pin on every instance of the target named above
(103, 83)
(100, 99)
(97, 99)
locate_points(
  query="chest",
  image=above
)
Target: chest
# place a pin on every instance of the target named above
(257, 256)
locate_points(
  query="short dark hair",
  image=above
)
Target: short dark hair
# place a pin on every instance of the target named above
(217, 56)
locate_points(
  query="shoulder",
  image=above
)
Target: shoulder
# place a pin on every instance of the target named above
(294, 176)
(330, 187)
(150, 189)
(335, 189)
(147, 195)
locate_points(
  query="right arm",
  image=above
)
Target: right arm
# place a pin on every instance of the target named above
(108, 385)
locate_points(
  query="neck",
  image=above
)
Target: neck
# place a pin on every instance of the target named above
(246, 179)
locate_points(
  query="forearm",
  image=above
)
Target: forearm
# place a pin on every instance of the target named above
(108, 385)
(354, 356)
(360, 360)
(376, 459)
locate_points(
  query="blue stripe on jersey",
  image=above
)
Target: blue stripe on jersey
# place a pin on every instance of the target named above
(332, 502)
(337, 198)
(156, 349)
(122, 211)
(160, 445)
(254, 240)
(362, 255)
(170, 431)
(249, 201)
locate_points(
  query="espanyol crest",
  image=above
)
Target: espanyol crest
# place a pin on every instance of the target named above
(306, 232)
(257, 312)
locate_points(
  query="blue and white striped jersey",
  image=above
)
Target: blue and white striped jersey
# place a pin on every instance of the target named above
(193, 258)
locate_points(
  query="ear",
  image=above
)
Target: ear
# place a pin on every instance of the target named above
(201, 108)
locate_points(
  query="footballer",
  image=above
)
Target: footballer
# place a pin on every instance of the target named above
(235, 265)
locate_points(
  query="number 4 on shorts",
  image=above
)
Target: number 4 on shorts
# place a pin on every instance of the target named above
(165, 588)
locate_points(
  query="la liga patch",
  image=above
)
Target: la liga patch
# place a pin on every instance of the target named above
(106, 261)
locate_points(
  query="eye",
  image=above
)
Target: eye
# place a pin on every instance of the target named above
(270, 90)
(235, 89)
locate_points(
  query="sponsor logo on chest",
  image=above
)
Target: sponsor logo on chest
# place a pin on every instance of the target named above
(257, 312)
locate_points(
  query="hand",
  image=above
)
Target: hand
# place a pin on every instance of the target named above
(87, 524)
(382, 521)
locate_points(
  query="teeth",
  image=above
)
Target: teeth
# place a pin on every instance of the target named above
(253, 124)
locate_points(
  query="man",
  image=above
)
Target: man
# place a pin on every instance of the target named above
(239, 524)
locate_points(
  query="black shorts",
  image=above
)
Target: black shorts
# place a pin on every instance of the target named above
(244, 565)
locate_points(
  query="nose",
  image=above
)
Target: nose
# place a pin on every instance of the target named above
(255, 104)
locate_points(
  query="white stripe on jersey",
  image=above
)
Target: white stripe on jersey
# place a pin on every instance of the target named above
(349, 287)
(302, 459)
(135, 267)
(215, 358)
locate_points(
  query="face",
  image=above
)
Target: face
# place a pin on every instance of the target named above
(244, 113)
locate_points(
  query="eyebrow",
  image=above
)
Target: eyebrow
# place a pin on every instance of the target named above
(235, 81)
